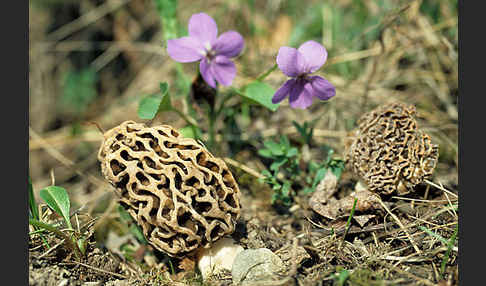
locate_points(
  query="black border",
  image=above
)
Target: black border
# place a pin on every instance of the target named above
(471, 151)
(14, 25)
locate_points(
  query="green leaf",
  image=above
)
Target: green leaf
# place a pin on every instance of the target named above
(58, 200)
(260, 93)
(32, 205)
(306, 191)
(337, 167)
(286, 189)
(277, 186)
(313, 166)
(274, 198)
(82, 243)
(165, 105)
(342, 277)
(124, 215)
(274, 147)
(137, 232)
(150, 105)
(284, 141)
(277, 164)
(266, 173)
(292, 152)
(134, 229)
(319, 177)
(187, 132)
(265, 153)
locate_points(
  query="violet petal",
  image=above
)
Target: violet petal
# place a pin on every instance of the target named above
(322, 88)
(283, 91)
(315, 55)
(301, 96)
(290, 61)
(185, 49)
(203, 28)
(204, 69)
(223, 70)
(229, 44)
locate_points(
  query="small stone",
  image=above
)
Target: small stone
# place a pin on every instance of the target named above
(255, 265)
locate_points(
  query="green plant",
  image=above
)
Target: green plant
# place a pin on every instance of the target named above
(285, 171)
(33, 209)
(448, 243)
(284, 158)
(57, 199)
(135, 229)
(305, 130)
(348, 223)
(282, 153)
(205, 103)
(341, 276)
(317, 171)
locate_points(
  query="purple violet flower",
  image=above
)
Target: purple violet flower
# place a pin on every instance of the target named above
(299, 64)
(213, 52)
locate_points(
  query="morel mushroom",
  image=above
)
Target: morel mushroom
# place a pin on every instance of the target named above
(389, 152)
(182, 197)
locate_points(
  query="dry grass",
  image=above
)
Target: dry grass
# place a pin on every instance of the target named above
(414, 60)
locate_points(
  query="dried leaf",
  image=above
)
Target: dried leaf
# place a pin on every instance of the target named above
(363, 219)
(366, 201)
(323, 202)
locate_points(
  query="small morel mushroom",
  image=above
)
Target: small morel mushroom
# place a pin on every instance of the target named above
(182, 197)
(389, 152)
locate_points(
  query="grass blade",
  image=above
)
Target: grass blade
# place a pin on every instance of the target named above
(450, 244)
(348, 223)
(431, 233)
(32, 205)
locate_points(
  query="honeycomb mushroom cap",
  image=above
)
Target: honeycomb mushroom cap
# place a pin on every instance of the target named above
(389, 152)
(182, 197)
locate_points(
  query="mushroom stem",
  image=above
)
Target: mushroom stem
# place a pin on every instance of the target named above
(219, 257)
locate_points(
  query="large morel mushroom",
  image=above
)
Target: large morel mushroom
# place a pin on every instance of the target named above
(389, 152)
(182, 197)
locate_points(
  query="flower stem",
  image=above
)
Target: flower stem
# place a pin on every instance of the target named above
(227, 97)
(58, 233)
(184, 116)
(269, 71)
(212, 119)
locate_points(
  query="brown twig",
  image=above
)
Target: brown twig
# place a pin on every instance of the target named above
(86, 19)
(95, 124)
(61, 158)
(96, 269)
(244, 168)
(407, 273)
(401, 226)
